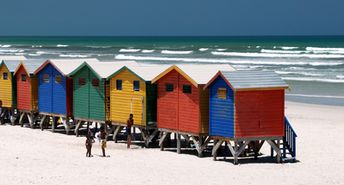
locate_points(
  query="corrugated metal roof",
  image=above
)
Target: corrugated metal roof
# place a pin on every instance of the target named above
(202, 73)
(12, 64)
(254, 79)
(32, 65)
(148, 72)
(12, 58)
(106, 69)
(66, 66)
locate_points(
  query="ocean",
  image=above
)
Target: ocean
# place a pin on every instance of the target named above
(313, 66)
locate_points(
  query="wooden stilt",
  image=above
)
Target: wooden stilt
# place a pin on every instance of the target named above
(117, 130)
(235, 153)
(53, 124)
(65, 124)
(21, 123)
(215, 148)
(275, 147)
(163, 136)
(179, 151)
(41, 124)
(78, 125)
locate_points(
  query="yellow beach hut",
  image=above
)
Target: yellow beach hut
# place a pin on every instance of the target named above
(131, 92)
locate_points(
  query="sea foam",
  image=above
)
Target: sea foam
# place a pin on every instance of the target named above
(174, 52)
(62, 46)
(129, 50)
(275, 55)
(217, 60)
(314, 79)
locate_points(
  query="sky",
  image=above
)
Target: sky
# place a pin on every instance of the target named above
(171, 17)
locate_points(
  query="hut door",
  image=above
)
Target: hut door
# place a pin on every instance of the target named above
(45, 90)
(137, 107)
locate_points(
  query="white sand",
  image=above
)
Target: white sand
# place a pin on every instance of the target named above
(34, 157)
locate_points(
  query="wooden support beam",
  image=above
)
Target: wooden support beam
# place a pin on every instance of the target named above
(235, 152)
(65, 124)
(162, 139)
(13, 117)
(215, 148)
(21, 123)
(150, 137)
(179, 147)
(53, 124)
(275, 148)
(41, 124)
(77, 127)
(117, 130)
(30, 117)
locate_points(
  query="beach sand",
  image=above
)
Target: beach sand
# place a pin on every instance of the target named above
(30, 156)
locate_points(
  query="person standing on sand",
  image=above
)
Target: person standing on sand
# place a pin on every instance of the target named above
(88, 143)
(130, 122)
(103, 136)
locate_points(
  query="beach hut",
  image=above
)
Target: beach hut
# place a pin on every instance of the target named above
(27, 90)
(8, 90)
(183, 104)
(91, 98)
(131, 92)
(246, 106)
(55, 90)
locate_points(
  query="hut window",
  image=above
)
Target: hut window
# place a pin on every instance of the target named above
(136, 85)
(169, 87)
(23, 77)
(82, 81)
(187, 89)
(119, 84)
(5, 76)
(222, 93)
(95, 82)
(46, 78)
(58, 79)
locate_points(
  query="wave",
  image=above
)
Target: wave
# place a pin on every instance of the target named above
(299, 73)
(62, 46)
(203, 49)
(315, 96)
(275, 55)
(176, 52)
(281, 51)
(36, 46)
(323, 49)
(147, 50)
(340, 76)
(129, 50)
(288, 47)
(12, 50)
(99, 47)
(221, 49)
(34, 54)
(216, 60)
(5, 46)
(74, 55)
(314, 79)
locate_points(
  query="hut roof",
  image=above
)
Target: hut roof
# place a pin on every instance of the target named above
(104, 69)
(197, 74)
(65, 66)
(144, 72)
(11, 64)
(12, 58)
(246, 80)
(30, 66)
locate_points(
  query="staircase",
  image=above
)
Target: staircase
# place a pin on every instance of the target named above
(288, 146)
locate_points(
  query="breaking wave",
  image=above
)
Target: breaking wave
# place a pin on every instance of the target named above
(173, 52)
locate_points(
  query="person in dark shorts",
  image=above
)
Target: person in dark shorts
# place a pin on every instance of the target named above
(103, 136)
(88, 144)
(130, 123)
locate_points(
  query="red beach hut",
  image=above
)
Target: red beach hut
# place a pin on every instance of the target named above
(183, 105)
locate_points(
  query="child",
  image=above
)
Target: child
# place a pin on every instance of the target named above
(103, 136)
(88, 144)
(130, 122)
